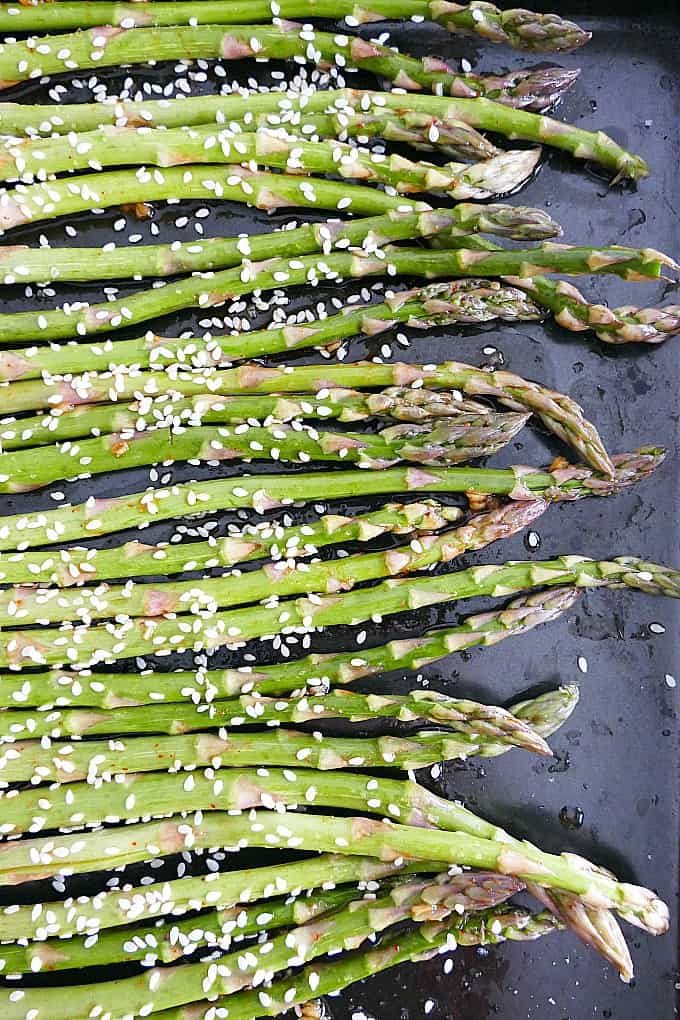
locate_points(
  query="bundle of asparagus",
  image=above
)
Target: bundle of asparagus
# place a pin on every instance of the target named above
(99, 770)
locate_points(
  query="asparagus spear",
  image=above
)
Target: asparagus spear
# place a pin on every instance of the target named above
(85, 646)
(110, 46)
(418, 406)
(462, 716)
(37, 203)
(27, 761)
(480, 113)
(166, 411)
(113, 907)
(470, 301)
(24, 860)
(311, 674)
(23, 264)
(453, 440)
(158, 989)
(21, 606)
(270, 539)
(334, 975)
(211, 290)
(172, 148)
(561, 415)
(596, 927)
(518, 28)
(628, 324)
(156, 794)
(210, 144)
(105, 516)
(228, 180)
(533, 90)
(168, 941)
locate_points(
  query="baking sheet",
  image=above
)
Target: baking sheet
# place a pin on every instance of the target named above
(618, 758)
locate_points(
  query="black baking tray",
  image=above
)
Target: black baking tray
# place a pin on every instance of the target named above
(618, 759)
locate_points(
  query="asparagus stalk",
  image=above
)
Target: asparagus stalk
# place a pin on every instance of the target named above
(405, 405)
(480, 113)
(38, 203)
(453, 440)
(210, 290)
(311, 674)
(156, 794)
(158, 989)
(27, 264)
(85, 646)
(169, 411)
(561, 415)
(21, 606)
(134, 559)
(596, 927)
(169, 941)
(518, 28)
(25, 860)
(285, 748)
(334, 975)
(106, 516)
(110, 46)
(628, 324)
(111, 907)
(23, 264)
(327, 384)
(466, 717)
(170, 148)
(27, 761)
(228, 180)
(538, 90)
(470, 301)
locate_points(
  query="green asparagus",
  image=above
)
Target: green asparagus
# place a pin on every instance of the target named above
(413, 946)
(23, 264)
(166, 411)
(105, 516)
(75, 806)
(169, 941)
(26, 761)
(159, 989)
(84, 645)
(625, 325)
(312, 674)
(466, 717)
(26, 860)
(454, 440)
(22, 606)
(267, 539)
(518, 28)
(480, 113)
(211, 290)
(210, 144)
(110, 46)
(561, 415)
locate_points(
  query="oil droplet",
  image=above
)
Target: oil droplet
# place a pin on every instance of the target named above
(571, 817)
